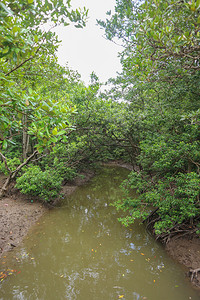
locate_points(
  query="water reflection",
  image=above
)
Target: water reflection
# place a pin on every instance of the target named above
(80, 251)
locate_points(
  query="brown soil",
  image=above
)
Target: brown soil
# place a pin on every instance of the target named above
(119, 163)
(19, 212)
(186, 250)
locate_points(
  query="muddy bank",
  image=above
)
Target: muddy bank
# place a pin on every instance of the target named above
(19, 212)
(17, 215)
(186, 250)
(118, 163)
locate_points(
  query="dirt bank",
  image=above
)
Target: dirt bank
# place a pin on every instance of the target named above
(186, 250)
(19, 212)
(119, 163)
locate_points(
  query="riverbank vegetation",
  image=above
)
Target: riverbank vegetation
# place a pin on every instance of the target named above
(52, 125)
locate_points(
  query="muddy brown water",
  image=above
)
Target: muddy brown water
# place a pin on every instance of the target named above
(79, 251)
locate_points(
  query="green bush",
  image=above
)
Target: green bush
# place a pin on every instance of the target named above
(44, 184)
(176, 198)
(66, 173)
(13, 163)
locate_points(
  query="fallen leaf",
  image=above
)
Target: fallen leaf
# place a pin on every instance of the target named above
(142, 254)
(121, 296)
(147, 259)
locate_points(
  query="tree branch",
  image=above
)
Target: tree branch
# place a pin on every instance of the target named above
(23, 62)
(5, 161)
(14, 173)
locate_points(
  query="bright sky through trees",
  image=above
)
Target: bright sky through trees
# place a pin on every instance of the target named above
(86, 50)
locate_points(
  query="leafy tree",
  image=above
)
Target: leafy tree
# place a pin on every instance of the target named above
(160, 82)
(26, 48)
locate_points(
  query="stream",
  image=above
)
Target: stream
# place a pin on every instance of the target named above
(79, 251)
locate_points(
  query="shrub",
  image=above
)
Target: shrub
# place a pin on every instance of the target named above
(13, 163)
(44, 184)
(65, 172)
(175, 197)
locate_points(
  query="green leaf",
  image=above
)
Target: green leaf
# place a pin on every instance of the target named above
(55, 131)
(5, 144)
(36, 38)
(9, 11)
(197, 4)
(61, 132)
(192, 7)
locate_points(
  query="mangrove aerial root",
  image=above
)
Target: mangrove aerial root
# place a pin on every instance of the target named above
(194, 273)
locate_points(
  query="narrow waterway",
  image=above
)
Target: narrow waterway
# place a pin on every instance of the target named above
(79, 251)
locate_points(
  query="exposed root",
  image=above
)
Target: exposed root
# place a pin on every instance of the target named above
(189, 227)
(193, 273)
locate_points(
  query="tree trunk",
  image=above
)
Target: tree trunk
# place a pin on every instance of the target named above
(189, 167)
(4, 188)
(25, 139)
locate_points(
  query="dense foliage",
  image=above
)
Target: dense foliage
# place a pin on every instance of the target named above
(35, 96)
(160, 80)
(150, 118)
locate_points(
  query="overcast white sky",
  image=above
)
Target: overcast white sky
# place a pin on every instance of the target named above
(85, 50)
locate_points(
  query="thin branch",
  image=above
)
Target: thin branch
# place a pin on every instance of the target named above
(195, 163)
(23, 62)
(14, 173)
(5, 161)
(32, 56)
